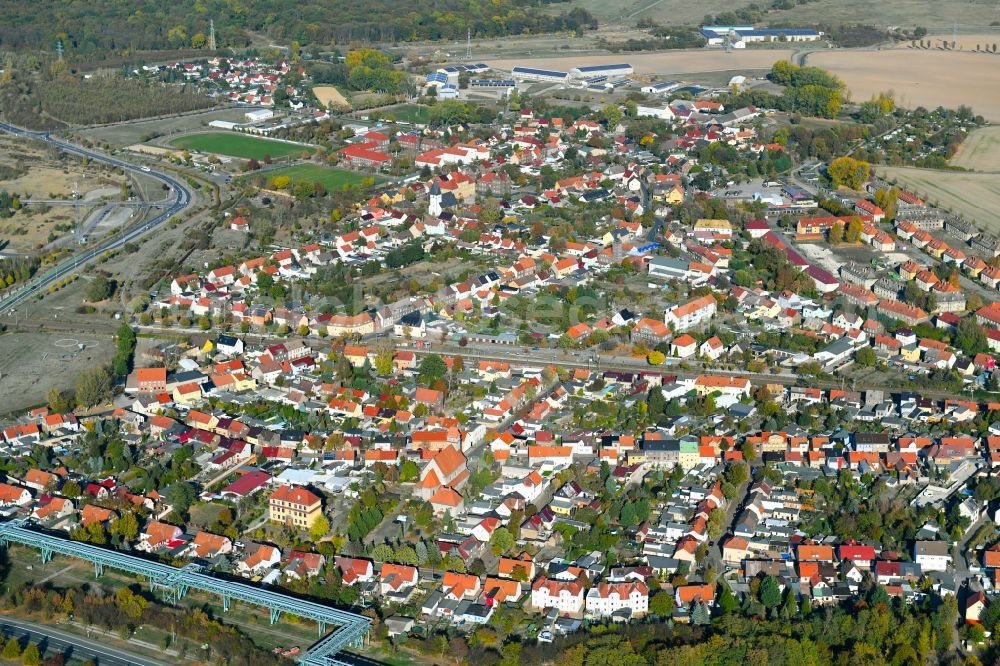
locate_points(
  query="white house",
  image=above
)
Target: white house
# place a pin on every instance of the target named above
(565, 596)
(629, 598)
(691, 314)
(932, 555)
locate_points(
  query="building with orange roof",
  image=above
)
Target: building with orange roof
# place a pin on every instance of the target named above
(565, 596)
(458, 586)
(621, 600)
(691, 314)
(398, 581)
(687, 595)
(726, 385)
(446, 469)
(809, 553)
(295, 506)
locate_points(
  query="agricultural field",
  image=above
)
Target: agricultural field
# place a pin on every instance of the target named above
(331, 98)
(329, 177)
(980, 151)
(237, 145)
(126, 134)
(905, 13)
(928, 78)
(975, 196)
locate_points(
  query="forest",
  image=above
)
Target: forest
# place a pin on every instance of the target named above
(39, 97)
(98, 29)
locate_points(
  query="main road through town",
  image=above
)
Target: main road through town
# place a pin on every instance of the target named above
(182, 197)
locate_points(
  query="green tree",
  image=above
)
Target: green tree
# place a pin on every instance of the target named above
(127, 527)
(662, 604)
(770, 592)
(432, 368)
(31, 656)
(383, 364)
(612, 115)
(12, 649)
(501, 540)
(97, 289)
(319, 529)
(865, 357)
(727, 600)
(700, 615)
(382, 553)
(408, 471)
(181, 495)
(93, 386)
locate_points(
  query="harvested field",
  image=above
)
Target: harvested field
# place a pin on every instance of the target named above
(331, 98)
(920, 78)
(905, 13)
(980, 151)
(975, 196)
(664, 62)
(238, 145)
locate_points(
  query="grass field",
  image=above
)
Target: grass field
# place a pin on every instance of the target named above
(410, 113)
(237, 145)
(975, 196)
(980, 151)
(332, 179)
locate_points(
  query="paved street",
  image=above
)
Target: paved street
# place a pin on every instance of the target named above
(72, 645)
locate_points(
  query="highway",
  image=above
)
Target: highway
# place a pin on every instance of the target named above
(59, 641)
(182, 198)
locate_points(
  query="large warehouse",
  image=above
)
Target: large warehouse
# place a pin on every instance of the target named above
(619, 69)
(531, 74)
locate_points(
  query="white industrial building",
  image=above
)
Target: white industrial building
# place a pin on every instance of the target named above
(618, 69)
(532, 74)
(661, 87)
(259, 115)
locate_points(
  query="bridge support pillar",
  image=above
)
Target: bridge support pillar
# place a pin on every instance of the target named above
(225, 604)
(98, 569)
(46, 555)
(275, 614)
(322, 628)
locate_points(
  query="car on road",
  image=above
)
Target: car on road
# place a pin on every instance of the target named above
(144, 168)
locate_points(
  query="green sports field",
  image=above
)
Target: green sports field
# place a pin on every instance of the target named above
(331, 178)
(237, 145)
(409, 113)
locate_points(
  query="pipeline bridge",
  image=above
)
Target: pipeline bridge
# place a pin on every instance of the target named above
(350, 629)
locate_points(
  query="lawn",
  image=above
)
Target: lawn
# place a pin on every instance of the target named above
(410, 113)
(237, 145)
(331, 178)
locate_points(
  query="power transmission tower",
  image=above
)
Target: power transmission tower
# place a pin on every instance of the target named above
(468, 44)
(59, 48)
(211, 34)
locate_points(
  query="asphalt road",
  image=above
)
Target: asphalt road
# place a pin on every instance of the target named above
(73, 645)
(182, 198)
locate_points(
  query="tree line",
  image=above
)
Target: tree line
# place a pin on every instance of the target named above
(101, 28)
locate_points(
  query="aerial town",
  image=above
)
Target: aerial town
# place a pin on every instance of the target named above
(498, 360)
